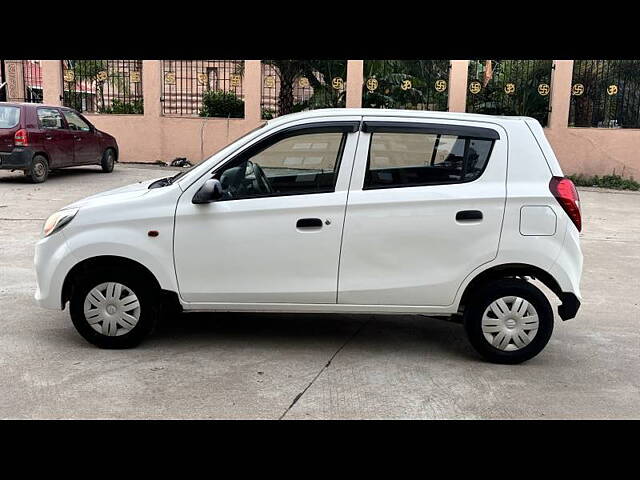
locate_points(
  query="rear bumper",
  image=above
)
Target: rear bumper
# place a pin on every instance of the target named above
(569, 307)
(19, 159)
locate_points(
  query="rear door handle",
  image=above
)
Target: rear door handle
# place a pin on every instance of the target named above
(468, 215)
(309, 223)
(48, 137)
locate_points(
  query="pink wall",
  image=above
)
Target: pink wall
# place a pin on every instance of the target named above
(597, 151)
(152, 136)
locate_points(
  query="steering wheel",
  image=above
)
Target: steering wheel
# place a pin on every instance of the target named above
(262, 178)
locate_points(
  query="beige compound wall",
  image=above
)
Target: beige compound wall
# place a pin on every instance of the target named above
(152, 136)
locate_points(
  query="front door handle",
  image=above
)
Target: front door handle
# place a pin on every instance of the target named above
(309, 223)
(468, 215)
(48, 137)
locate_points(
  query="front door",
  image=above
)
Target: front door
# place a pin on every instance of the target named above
(425, 209)
(274, 236)
(86, 149)
(58, 141)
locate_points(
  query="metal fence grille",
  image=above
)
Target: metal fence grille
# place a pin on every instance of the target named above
(208, 88)
(32, 81)
(407, 84)
(290, 86)
(103, 86)
(605, 94)
(510, 87)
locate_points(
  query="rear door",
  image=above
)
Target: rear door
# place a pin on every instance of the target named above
(86, 148)
(54, 136)
(425, 208)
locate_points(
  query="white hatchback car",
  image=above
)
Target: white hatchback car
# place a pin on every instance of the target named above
(346, 210)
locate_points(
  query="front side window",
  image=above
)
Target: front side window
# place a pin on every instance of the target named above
(414, 159)
(75, 122)
(299, 164)
(50, 118)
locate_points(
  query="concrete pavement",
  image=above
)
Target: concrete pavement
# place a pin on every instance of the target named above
(313, 366)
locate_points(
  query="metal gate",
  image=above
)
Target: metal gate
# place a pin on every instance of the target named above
(103, 86)
(21, 80)
(290, 86)
(407, 84)
(605, 94)
(208, 88)
(510, 87)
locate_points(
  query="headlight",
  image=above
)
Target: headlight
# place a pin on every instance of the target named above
(58, 220)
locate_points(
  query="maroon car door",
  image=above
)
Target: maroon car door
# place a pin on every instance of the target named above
(86, 146)
(56, 139)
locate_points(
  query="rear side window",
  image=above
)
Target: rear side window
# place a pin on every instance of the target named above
(9, 116)
(50, 118)
(419, 158)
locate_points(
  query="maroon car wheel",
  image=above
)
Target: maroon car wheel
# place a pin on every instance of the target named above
(39, 169)
(108, 161)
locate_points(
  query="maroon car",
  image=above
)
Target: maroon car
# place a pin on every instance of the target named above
(37, 138)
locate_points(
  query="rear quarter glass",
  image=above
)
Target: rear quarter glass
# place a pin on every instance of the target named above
(9, 116)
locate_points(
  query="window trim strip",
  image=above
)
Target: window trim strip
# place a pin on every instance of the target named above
(371, 126)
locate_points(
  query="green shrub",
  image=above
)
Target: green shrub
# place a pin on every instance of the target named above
(217, 103)
(612, 181)
(268, 114)
(117, 106)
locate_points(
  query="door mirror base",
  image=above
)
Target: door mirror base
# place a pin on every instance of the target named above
(210, 191)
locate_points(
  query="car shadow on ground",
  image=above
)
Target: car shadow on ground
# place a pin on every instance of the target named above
(18, 177)
(384, 334)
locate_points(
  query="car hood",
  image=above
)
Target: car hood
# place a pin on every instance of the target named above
(119, 194)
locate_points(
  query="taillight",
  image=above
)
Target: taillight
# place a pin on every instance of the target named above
(565, 192)
(21, 138)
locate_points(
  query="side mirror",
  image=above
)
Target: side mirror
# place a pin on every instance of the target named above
(209, 192)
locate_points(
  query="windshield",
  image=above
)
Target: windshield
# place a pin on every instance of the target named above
(9, 116)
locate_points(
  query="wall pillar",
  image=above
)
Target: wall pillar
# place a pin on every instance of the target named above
(458, 74)
(355, 79)
(560, 102)
(151, 93)
(252, 89)
(15, 80)
(52, 86)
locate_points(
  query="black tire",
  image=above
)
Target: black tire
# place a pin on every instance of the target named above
(39, 170)
(148, 313)
(108, 160)
(484, 297)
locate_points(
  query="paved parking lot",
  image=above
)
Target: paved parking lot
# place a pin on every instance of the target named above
(336, 366)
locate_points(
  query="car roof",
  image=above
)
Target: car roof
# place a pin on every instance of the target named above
(397, 113)
(33, 104)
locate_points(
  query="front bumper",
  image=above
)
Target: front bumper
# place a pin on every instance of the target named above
(52, 261)
(19, 159)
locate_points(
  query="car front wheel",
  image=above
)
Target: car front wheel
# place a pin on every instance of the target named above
(108, 161)
(509, 321)
(113, 310)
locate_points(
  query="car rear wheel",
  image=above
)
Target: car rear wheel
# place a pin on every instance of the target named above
(509, 321)
(39, 170)
(111, 309)
(108, 161)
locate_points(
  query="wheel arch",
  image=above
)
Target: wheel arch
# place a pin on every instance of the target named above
(509, 270)
(105, 261)
(115, 151)
(42, 153)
